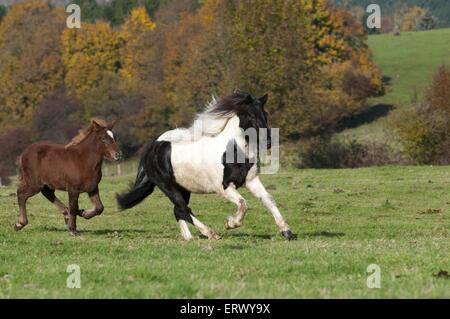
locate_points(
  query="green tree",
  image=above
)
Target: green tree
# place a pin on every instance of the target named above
(2, 11)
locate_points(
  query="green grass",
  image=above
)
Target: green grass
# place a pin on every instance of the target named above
(396, 217)
(410, 60)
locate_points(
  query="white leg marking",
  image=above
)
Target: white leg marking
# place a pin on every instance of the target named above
(233, 196)
(258, 190)
(205, 230)
(185, 230)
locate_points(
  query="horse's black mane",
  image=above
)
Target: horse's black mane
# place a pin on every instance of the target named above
(234, 103)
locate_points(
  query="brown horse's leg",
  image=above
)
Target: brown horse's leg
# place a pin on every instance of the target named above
(73, 212)
(23, 194)
(98, 206)
(50, 195)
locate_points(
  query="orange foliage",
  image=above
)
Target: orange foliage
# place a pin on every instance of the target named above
(30, 66)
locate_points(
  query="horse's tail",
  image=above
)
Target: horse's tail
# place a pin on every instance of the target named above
(137, 193)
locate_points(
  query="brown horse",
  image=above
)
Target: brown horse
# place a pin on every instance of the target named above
(75, 168)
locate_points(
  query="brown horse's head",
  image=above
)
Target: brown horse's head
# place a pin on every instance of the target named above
(104, 134)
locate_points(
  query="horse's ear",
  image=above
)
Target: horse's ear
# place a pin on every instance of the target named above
(263, 99)
(112, 124)
(248, 99)
(96, 125)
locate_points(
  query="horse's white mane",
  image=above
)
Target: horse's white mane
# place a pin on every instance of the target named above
(207, 123)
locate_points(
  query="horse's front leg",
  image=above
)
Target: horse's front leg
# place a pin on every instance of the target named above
(73, 212)
(233, 196)
(98, 208)
(257, 189)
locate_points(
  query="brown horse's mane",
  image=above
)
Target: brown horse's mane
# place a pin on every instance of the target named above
(85, 132)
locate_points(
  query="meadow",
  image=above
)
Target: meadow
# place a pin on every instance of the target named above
(395, 217)
(409, 62)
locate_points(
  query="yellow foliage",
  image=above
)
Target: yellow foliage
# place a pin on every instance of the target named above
(88, 53)
(139, 21)
(411, 17)
(133, 33)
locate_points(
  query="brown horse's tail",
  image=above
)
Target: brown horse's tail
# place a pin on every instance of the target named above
(142, 188)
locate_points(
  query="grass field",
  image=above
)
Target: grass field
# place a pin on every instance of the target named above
(410, 60)
(395, 217)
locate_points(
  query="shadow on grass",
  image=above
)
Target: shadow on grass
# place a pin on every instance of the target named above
(366, 116)
(120, 232)
(248, 236)
(299, 235)
(96, 231)
(322, 233)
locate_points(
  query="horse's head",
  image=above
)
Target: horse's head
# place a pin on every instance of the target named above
(252, 115)
(104, 134)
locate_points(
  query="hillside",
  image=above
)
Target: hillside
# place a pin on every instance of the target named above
(409, 60)
(438, 8)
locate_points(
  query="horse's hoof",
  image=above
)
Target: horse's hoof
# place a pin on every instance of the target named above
(288, 235)
(231, 224)
(18, 226)
(227, 225)
(74, 233)
(213, 235)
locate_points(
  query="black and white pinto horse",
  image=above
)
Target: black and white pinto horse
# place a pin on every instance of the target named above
(186, 160)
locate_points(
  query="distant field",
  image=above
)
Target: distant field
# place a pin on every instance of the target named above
(409, 60)
(395, 217)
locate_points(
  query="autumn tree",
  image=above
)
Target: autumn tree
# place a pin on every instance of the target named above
(57, 118)
(30, 55)
(270, 55)
(305, 54)
(13, 142)
(411, 17)
(134, 33)
(195, 62)
(157, 46)
(423, 129)
(89, 53)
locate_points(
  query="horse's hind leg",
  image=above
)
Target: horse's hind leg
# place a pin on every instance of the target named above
(73, 212)
(94, 196)
(183, 212)
(50, 195)
(184, 227)
(23, 193)
(233, 196)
